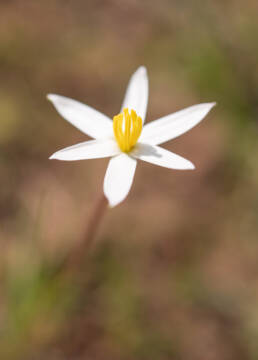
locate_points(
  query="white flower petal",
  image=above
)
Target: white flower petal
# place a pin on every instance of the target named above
(174, 125)
(92, 149)
(83, 117)
(136, 96)
(119, 178)
(159, 156)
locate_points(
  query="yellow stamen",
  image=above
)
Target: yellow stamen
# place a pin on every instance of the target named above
(127, 129)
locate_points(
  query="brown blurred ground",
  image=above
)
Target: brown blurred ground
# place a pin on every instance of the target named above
(174, 270)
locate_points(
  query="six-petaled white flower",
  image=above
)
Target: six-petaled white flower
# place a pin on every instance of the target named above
(125, 139)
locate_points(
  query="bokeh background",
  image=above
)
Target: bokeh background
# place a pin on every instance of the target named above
(173, 273)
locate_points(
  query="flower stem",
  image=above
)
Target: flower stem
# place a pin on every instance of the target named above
(77, 256)
(94, 221)
(80, 252)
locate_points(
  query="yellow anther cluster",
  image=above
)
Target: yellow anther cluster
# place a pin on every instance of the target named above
(127, 129)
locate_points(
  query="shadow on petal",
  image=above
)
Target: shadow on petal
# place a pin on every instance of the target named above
(146, 150)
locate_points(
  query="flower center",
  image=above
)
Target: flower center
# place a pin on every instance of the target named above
(127, 129)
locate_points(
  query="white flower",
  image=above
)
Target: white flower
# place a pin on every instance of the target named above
(125, 139)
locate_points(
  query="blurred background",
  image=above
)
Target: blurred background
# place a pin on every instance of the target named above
(173, 273)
